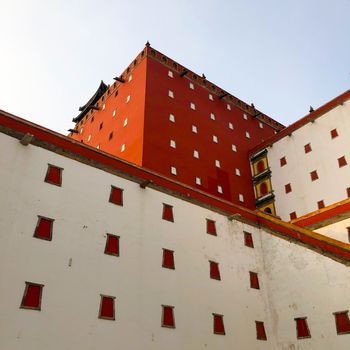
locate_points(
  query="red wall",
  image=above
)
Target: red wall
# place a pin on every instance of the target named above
(132, 134)
(159, 156)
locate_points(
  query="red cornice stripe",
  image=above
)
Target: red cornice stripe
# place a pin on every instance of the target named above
(301, 122)
(324, 215)
(339, 249)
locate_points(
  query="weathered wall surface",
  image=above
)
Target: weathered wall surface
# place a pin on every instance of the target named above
(339, 230)
(293, 280)
(333, 181)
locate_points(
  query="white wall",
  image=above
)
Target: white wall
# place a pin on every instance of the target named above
(333, 181)
(338, 230)
(288, 274)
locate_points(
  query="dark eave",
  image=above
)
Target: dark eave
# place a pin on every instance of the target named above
(97, 95)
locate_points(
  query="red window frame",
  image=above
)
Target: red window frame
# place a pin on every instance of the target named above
(218, 324)
(342, 322)
(32, 296)
(314, 175)
(302, 328)
(320, 204)
(288, 188)
(342, 161)
(283, 161)
(211, 227)
(107, 307)
(334, 133)
(260, 330)
(168, 259)
(293, 215)
(254, 280)
(168, 318)
(248, 239)
(112, 245)
(54, 175)
(308, 148)
(116, 195)
(168, 213)
(214, 270)
(44, 228)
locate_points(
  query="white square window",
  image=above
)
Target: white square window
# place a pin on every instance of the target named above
(125, 122)
(234, 148)
(98, 146)
(217, 163)
(245, 116)
(194, 129)
(123, 147)
(193, 106)
(128, 99)
(228, 107)
(238, 172)
(191, 86)
(215, 139)
(173, 170)
(81, 130)
(170, 94)
(261, 125)
(172, 144)
(114, 113)
(172, 118)
(230, 126)
(89, 138)
(104, 106)
(241, 197)
(130, 78)
(195, 154)
(212, 116)
(211, 97)
(247, 135)
(220, 189)
(198, 181)
(170, 74)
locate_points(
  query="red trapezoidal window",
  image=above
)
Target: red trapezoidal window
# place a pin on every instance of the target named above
(168, 212)
(348, 229)
(168, 319)
(32, 296)
(168, 259)
(302, 328)
(314, 175)
(263, 188)
(54, 175)
(342, 322)
(293, 215)
(211, 227)
(107, 311)
(248, 239)
(320, 204)
(218, 324)
(214, 270)
(116, 196)
(254, 281)
(260, 330)
(260, 166)
(112, 245)
(307, 148)
(342, 161)
(283, 161)
(348, 192)
(334, 133)
(288, 188)
(43, 229)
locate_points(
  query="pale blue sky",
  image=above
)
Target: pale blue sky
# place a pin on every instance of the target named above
(281, 55)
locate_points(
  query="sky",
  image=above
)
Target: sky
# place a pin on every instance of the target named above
(282, 55)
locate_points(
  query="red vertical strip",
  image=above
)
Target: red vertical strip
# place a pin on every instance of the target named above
(302, 328)
(211, 227)
(116, 196)
(168, 213)
(260, 330)
(107, 307)
(219, 327)
(342, 322)
(214, 270)
(168, 316)
(112, 245)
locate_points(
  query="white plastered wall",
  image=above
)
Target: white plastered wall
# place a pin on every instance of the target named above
(337, 230)
(288, 274)
(333, 181)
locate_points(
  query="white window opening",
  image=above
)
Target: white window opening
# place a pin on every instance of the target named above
(128, 99)
(123, 147)
(238, 172)
(241, 197)
(220, 189)
(195, 154)
(125, 122)
(172, 118)
(170, 94)
(114, 113)
(193, 106)
(198, 181)
(245, 116)
(211, 97)
(261, 125)
(170, 74)
(104, 106)
(173, 170)
(212, 116)
(234, 148)
(172, 143)
(194, 129)
(89, 138)
(228, 107)
(230, 126)
(247, 135)
(217, 163)
(215, 139)
(191, 86)
(130, 78)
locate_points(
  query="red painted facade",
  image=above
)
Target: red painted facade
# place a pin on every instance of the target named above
(142, 131)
